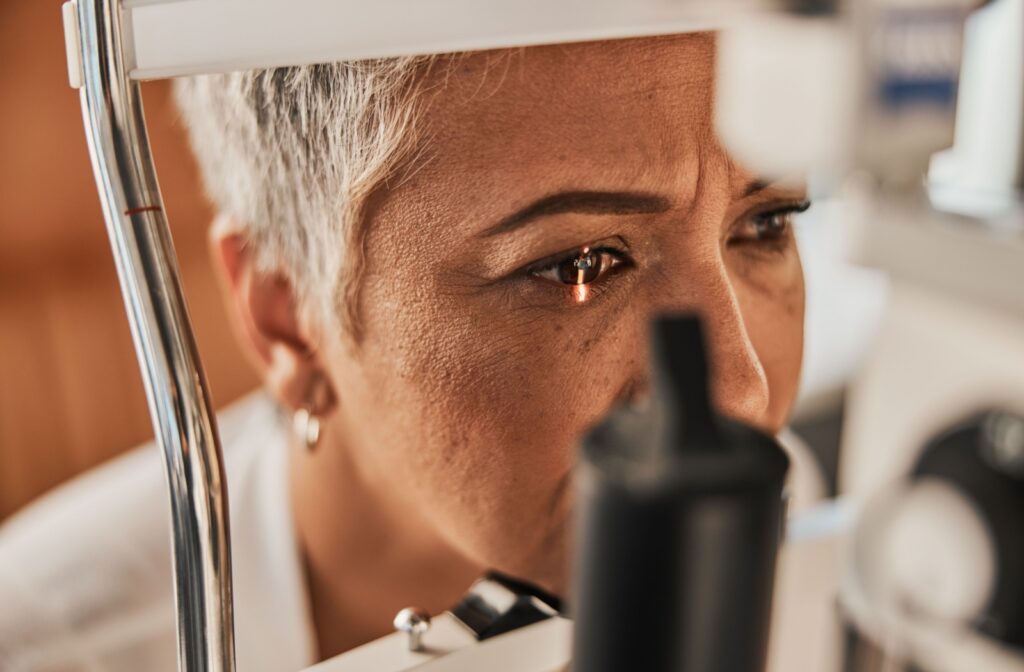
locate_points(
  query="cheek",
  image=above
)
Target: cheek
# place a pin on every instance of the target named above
(771, 298)
(518, 388)
(482, 407)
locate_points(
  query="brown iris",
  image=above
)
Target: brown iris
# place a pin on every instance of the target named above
(581, 269)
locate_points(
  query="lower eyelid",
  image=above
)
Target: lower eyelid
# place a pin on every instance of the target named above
(769, 247)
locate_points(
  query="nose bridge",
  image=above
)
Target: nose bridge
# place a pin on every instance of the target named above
(739, 384)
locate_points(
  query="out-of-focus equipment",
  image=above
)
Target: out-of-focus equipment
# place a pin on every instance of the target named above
(501, 624)
(861, 95)
(936, 578)
(934, 568)
(682, 514)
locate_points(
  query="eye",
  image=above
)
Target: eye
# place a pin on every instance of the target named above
(579, 268)
(771, 229)
(774, 225)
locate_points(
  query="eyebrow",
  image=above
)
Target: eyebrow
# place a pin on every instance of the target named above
(755, 186)
(787, 187)
(584, 202)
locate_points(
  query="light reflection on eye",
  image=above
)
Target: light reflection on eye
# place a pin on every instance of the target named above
(580, 293)
(579, 270)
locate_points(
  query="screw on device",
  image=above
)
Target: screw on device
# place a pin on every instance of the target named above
(414, 623)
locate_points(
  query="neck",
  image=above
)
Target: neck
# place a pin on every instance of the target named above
(364, 561)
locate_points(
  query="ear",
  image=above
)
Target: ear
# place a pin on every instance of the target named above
(270, 324)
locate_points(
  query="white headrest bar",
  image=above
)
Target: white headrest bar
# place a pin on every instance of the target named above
(168, 38)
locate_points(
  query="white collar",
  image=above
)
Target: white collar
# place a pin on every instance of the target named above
(273, 626)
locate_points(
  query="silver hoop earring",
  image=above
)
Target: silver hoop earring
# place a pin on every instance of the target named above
(307, 427)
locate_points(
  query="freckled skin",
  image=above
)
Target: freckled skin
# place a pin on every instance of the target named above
(458, 414)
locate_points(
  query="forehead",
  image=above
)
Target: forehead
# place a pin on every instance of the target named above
(532, 82)
(639, 104)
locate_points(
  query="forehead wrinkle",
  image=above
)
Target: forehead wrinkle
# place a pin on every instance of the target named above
(559, 60)
(601, 161)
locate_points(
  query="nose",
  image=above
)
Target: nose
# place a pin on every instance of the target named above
(739, 385)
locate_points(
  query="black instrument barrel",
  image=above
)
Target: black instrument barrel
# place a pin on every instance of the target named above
(682, 517)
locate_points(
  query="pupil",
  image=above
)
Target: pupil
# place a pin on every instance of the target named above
(581, 269)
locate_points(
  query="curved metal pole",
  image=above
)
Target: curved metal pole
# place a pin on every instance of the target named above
(179, 403)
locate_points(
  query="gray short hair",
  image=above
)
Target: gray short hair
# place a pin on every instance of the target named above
(293, 154)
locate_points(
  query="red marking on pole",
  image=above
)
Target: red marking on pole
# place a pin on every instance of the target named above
(145, 208)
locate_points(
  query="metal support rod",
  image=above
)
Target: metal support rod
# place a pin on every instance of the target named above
(176, 390)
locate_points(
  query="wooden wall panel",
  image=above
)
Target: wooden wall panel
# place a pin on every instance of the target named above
(70, 392)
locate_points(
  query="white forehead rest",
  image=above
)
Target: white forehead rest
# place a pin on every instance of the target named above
(167, 38)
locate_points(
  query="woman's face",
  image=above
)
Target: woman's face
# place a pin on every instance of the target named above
(565, 195)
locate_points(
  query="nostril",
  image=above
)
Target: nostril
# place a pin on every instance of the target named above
(635, 392)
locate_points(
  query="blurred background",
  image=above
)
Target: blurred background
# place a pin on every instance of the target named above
(70, 392)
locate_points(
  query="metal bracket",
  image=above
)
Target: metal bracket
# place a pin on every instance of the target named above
(176, 390)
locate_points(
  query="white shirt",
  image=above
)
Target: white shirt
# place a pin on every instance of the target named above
(85, 573)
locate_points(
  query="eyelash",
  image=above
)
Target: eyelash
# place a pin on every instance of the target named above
(609, 261)
(612, 260)
(771, 240)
